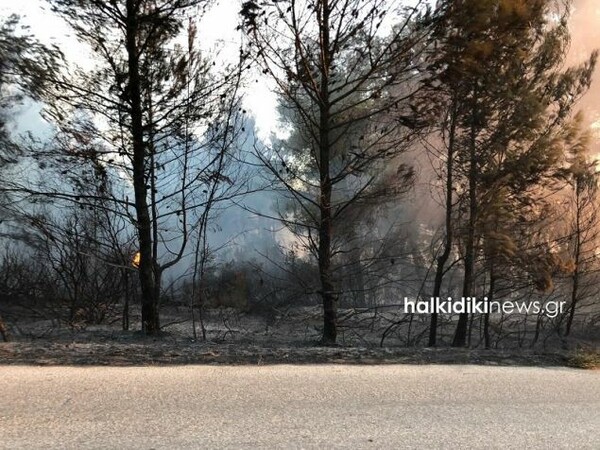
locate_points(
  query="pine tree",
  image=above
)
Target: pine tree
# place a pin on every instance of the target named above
(337, 73)
(501, 61)
(25, 65)
(582, 177)
(138, 112)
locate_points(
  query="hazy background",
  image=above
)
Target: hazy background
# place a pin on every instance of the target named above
(585, 29)
(217, 30)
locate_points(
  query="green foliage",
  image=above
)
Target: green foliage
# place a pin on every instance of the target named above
(503, 60)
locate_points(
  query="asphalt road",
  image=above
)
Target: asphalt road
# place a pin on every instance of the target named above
(299, 407)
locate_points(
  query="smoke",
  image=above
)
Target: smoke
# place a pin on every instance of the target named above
(585, 38)
(585, 29)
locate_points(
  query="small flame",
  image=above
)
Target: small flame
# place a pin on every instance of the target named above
(135, 262)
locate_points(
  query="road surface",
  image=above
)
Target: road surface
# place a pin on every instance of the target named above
(334, 406)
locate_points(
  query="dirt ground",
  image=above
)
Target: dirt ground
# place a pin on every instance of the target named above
(234, 337)
(135, 349)
(164, 351)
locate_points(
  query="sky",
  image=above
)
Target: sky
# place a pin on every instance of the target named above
(217, 33)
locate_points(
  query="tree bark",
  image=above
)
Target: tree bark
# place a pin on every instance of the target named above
(577, 258)
(460, 336)
(3, 331)
(325, 225)
(125, 318)
(443, 258)
(150, 318)
(486, 317)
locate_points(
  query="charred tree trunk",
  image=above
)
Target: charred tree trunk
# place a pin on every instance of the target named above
(3, 331)
(486, 317)
(443, 258)
(150, 318)
(460, 336)
(577, 258)
(574, 294)
(125, 318)
(325, 224)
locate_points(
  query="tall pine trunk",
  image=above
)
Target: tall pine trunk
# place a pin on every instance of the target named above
(443, 258)
(577, 258)
(460, 336)
(150, 318)
(325, 223)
